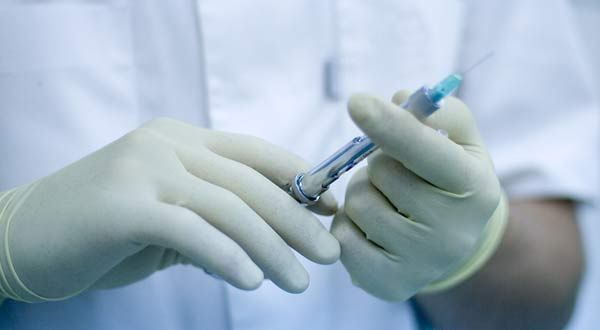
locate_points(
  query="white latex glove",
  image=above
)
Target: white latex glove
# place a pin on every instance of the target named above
(428, 210)
(163, 194)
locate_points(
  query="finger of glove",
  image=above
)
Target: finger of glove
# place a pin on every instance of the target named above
(420, 148)
(378, 219)
(228, 213)
(454, 118)
(275, 163)
(180, 229)
(443, 225)
(139, 266)
(369, 266)
(294, 223)
(409, 194)
(401, 96)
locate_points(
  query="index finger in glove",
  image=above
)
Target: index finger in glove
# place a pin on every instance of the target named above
(229, 214)
(421, 149)
(178, 228)
(454, 118)
(296, 225)
(274, 163)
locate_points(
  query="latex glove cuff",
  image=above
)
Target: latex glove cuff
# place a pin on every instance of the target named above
(11, 286)
(488, 243)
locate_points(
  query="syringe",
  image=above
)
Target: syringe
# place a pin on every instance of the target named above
(308, 187)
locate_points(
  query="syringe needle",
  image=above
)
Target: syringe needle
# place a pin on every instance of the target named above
(476, 64)
(308, 187)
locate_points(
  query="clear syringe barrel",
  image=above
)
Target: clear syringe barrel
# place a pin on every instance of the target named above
(308, 187)
(317, 180)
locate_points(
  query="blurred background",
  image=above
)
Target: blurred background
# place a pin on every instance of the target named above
(585, 16)
(587, 316)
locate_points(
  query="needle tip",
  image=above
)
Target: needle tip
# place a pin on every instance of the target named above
(481, 60)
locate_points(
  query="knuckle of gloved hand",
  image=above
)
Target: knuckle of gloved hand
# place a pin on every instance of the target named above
(356, 199)
(456, 245)
(129, 155)
(340, 228)
(123, 167)
(380, 168)
(488, 198)
(139, 138)
(161, 123)
(353, 205)
(472, 177)
(142, 230)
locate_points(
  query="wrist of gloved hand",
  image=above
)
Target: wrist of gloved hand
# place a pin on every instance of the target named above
(11, 286)
(488, 243)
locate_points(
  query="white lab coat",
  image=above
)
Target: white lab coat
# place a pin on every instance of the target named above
(75, 75)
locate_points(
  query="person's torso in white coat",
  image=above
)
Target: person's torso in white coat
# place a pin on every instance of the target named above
(76, 75)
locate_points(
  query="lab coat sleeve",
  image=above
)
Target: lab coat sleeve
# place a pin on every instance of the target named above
(533, 100)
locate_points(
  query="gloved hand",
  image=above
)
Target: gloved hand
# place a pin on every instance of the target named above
(428, 210)
(163, 194)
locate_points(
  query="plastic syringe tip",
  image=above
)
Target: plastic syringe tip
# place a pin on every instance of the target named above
(446, 87)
